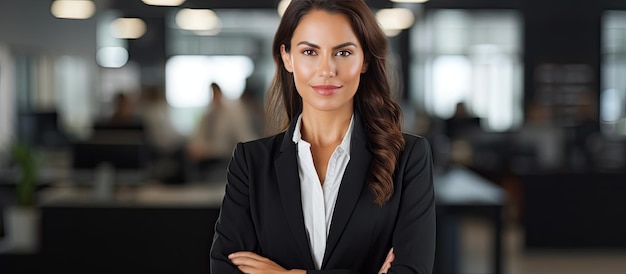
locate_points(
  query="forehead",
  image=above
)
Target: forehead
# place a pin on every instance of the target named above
(321, 27)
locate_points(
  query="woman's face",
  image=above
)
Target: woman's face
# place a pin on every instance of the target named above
(326, 60)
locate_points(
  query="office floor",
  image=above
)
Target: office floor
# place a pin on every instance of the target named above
(475, 252)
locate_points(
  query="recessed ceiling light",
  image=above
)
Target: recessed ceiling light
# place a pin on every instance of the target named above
(128, 28)
(197, 19)
(73, 9)
(395, 18)
(282, 6)
(169, 3)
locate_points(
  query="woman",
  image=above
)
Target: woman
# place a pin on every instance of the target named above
(340, 186)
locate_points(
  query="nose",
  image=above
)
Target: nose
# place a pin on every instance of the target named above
(327, 67)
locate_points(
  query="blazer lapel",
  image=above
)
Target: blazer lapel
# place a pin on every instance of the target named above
(352, 185)
(286, 168)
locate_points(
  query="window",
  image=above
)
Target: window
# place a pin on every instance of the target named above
(471, 57)
(188, 79)
(613, 95)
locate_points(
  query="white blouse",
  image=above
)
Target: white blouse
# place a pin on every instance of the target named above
(318, 200)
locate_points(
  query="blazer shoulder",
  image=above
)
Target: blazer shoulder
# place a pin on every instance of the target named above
(412, 140)
(265, 145)
(416, 147)
(265, 141)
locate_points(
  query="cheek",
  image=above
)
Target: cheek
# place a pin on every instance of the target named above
(303, 67)
(351, 70)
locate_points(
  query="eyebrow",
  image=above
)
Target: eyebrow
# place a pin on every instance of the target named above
(335, 47)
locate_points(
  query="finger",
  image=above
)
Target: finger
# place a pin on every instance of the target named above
(247, 254)
(239, 261)
(388, 260)
(390, 256)
(243, 260)
(254, 262)
(251, 256)
(248, 265)
(384, 269)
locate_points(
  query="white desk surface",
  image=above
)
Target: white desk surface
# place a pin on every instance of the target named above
(462, 186)
(148, 195)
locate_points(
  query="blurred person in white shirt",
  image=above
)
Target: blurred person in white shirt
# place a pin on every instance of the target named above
(224, 123)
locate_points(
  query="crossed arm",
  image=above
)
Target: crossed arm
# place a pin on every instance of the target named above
(252, 263)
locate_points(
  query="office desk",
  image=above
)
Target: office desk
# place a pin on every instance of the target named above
(147, 229)
(460, 192)
(574, 210)
(169, 229)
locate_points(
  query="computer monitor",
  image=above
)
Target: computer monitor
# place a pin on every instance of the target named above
(121, 156)
(123, 150)
(40, 129)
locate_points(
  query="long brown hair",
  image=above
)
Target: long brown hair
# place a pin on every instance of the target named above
(373, 100)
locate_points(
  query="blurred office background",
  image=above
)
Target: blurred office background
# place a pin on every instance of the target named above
(523, 101)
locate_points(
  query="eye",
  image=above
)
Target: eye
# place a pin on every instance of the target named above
(344, 53)
(308, 52)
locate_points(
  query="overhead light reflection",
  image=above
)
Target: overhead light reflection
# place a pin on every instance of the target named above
(392, 32)
(73, 9)
(128, 28)
(112, 57)
(197, 19)
(169, 3)
(210, 32)
(282, 6)
(394, 20)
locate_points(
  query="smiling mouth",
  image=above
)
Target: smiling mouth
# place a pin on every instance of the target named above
(326, 89)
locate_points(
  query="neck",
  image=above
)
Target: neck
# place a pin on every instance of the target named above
(325, 128)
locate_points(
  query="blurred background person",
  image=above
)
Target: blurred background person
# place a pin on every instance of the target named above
(124, 112)
(165, 142)
(224, 123)
(461, 129)
(539, 144)
(584, 136)
(461, 122)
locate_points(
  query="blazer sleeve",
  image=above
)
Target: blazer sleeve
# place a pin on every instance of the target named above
(234, 230)
(414, 234)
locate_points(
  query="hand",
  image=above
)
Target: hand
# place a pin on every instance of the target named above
(387, 263)
(252, 263)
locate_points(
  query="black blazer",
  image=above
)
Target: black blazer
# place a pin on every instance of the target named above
(262, 210)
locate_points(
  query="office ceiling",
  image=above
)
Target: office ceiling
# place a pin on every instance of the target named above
(137, 8)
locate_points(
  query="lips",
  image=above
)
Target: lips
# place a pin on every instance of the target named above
(326, 89)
